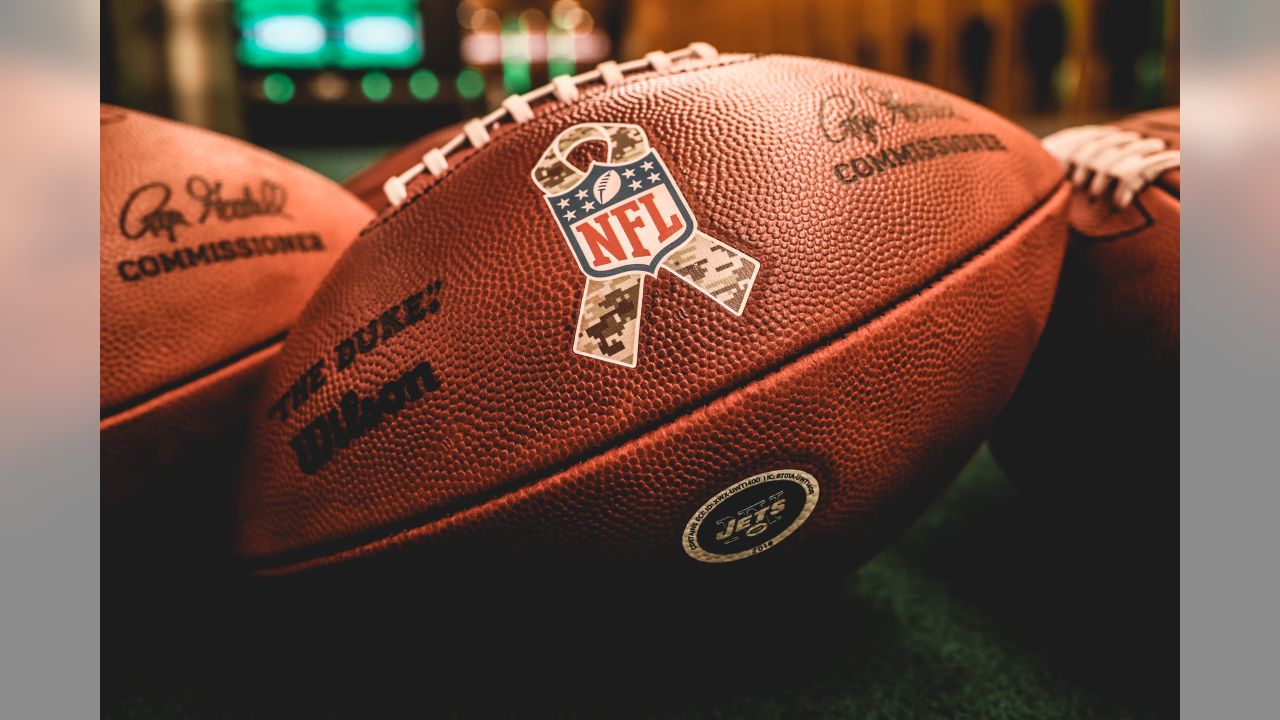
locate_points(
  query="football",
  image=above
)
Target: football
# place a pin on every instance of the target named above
(209, 249)
(692, 311)
(1098, 408)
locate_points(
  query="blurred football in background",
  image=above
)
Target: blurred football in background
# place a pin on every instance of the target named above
(1095, 419)
(209, 249)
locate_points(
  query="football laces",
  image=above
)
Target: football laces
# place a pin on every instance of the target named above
(1098, 156)
(518, 108)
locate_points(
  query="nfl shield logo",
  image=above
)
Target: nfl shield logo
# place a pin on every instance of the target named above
(623, 218)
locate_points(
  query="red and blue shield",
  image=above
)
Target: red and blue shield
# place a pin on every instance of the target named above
(623, 218)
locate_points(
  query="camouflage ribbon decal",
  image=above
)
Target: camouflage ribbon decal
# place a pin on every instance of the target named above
(624, 219)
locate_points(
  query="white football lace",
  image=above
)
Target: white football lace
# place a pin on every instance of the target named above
(1097, 155)
(518, 108)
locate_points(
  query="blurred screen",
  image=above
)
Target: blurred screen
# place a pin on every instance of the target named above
(378, 72)
(291, 34)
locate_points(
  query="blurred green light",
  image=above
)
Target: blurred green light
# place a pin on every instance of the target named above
(376, 86)
(516, 77)
(560, 55)
(275, 7)
(374, 6)
(379, 34)
(1150, 71)
(290, 34)
(470, 84)
(424, 84)
(378, 40)
(559, 66)
(282, 35)
(278, 88)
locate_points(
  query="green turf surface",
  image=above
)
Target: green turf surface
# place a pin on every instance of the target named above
(990, 606)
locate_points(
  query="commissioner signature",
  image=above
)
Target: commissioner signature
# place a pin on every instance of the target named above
(867, 114)
(148, 212)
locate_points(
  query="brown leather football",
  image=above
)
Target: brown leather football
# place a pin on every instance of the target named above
(692, 311)
(210, 248)
(1097, 413)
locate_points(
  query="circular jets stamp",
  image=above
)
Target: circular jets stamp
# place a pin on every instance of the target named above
(751, 516)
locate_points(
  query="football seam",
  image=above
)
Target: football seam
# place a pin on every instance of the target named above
(319, 552)
(110, 411)
(505, 138)
(1147, 222)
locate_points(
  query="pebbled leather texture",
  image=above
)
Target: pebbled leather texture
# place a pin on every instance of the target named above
(1098, 409)
(182, 350)
(890, 319)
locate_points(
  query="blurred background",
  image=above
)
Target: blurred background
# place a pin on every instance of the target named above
(334, 83)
